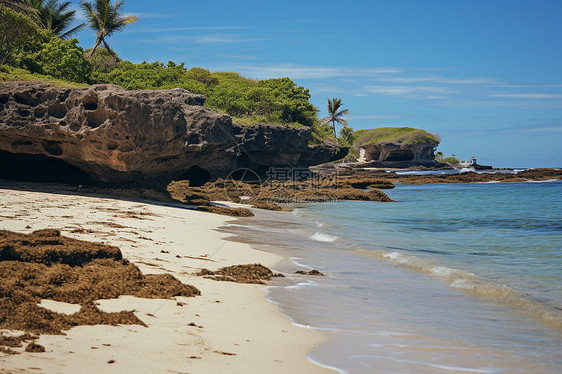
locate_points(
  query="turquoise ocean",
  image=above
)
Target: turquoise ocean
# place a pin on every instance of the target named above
(450, 278)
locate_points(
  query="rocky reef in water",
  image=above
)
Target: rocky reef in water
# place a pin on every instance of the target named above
(541, 174)
(107, 134)
(270, 194)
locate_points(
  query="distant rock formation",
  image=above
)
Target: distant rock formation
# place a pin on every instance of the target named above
(400, 155)
(152, 136)
(399, 147)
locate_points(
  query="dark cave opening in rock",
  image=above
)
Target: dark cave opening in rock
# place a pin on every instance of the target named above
(372, 154)
(39, 168)
(196, 176)
(400, 155)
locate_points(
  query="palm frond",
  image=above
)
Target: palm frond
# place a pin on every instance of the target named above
(72, 31)
(341, 113)
(336, 104)
(341, 121)
(324, 121)
(54, 16)
(118, 4)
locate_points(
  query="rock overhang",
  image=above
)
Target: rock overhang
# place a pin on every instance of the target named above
(143, 136)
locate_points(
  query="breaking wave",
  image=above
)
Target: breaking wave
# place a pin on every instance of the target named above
(471, 283)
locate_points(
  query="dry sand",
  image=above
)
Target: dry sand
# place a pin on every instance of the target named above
(235, 329)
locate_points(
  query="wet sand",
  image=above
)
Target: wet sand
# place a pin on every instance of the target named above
(229, 328)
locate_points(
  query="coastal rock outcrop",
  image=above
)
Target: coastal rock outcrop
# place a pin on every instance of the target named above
(108, 134)
(400, 155)
(399, 147)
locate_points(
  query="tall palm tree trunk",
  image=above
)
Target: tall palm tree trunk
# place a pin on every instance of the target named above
(96, 45)
(111, 51)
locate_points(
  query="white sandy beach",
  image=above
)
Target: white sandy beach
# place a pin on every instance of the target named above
(236, 330)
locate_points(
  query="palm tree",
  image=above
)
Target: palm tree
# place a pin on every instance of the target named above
(335, 114)
(55, 17)
(105, 20)
(346, 136)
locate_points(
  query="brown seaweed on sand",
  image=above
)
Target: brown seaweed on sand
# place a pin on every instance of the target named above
(311, 272)
(253, 273)
(46, 265)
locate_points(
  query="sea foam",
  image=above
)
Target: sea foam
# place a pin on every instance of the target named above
(322, 237)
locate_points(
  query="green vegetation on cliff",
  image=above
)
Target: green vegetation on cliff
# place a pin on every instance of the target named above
(450, 160)
(10, 73)
(249, 101)
(440, 157)
(400, 135)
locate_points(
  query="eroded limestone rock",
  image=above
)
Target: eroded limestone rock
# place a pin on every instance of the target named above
(114, 135)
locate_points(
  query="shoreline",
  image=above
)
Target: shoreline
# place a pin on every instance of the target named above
(236, 328)
(400, 324)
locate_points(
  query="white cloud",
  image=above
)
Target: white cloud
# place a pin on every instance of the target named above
(407, 90)
(305, 21)
(372, 116)
(312, 72)
(148, 15)
(539, 128)
(176, 29)
(446, 80)
(486, 102)
(205, 39)
(532, 96)
(529, 85)
(533, 129)
(238, 57)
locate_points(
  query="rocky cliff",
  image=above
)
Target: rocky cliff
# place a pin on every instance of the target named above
(112, 135)
(399, 155)
(398, 147)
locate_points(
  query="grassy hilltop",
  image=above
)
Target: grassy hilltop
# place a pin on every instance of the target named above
(400, 135)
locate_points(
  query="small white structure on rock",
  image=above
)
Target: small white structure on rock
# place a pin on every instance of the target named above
(466, 164)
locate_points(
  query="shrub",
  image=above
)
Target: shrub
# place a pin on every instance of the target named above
(51, 55)
(321, 134)
(145, 75)
(15, 31)
(102, 60)
(450, 160)
(346, 136)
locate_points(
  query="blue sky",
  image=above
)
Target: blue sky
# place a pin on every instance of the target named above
(484, 75)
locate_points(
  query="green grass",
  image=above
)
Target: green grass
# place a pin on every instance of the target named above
(10, 73)
(400, 135)
(255, 119)
(450, 160)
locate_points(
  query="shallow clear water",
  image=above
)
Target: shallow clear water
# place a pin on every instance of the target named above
(464, 277)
